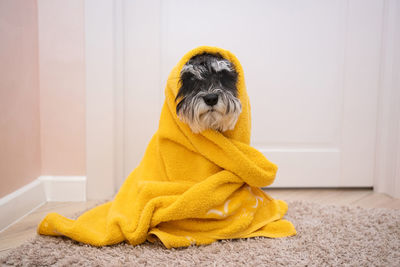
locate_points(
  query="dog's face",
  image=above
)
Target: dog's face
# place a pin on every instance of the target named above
(208, 94)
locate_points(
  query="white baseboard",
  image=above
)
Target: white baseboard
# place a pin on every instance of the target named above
(64, 188)
(20, 203)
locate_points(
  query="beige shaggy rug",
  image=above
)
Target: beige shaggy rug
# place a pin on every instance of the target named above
(327, 236)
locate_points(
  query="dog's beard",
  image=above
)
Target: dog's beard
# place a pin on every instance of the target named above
(200, 116)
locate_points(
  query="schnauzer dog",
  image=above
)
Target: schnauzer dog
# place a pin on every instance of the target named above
(208, 94)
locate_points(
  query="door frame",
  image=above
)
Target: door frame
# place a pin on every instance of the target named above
(104, 96)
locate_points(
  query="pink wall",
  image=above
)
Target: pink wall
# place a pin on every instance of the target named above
(19, 95)
(42, 91)
(62, 86)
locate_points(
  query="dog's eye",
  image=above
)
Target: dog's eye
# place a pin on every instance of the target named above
(227, 76)
(190, 80)
(187, 77)
(228, 79)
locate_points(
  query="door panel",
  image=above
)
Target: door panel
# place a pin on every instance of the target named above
(311, 69)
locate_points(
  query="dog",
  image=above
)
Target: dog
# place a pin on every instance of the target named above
(207, 97)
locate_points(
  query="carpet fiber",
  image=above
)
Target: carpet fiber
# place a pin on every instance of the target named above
(327, 235)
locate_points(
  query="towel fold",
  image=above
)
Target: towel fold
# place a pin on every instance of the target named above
(189, 188)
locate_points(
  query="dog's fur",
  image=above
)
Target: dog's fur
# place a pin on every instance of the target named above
(207, 98)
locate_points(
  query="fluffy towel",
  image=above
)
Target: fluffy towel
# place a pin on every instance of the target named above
(189, 188)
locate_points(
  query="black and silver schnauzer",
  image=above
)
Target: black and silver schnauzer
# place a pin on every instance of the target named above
(208, 94)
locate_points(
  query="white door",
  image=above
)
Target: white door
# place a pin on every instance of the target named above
(311, 69)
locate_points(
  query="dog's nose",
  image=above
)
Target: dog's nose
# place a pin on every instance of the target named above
(211, 99)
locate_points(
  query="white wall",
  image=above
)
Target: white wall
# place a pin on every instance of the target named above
(387, 164)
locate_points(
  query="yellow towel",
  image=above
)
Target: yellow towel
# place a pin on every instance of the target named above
(189, 188)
